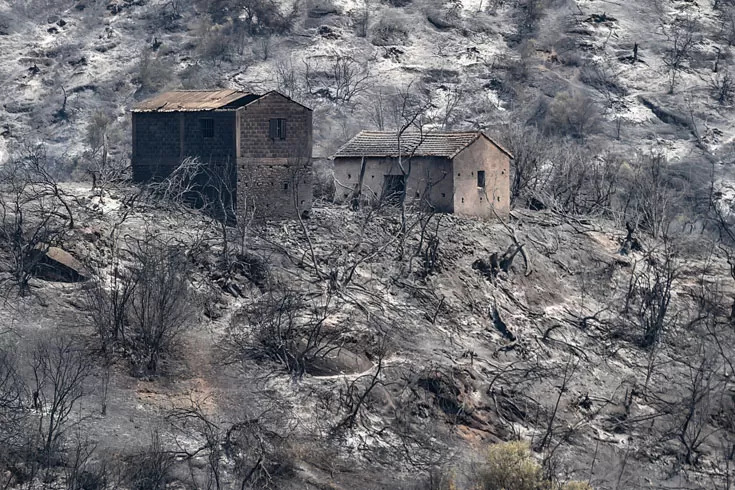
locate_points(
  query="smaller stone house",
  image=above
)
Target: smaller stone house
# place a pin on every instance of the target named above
(260, 143)
(466, 173)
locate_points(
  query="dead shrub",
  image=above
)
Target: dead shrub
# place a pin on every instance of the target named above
(391, 30)
(153, 73)
(653, 196)
(722, 88)
(59, 369)
(323, 180)
(13, 415)
(151, 468)
(571, 114)
(216, 45)
(161, 305)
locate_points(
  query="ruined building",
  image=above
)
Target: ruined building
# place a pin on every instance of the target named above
(465, 173)
(260, 143)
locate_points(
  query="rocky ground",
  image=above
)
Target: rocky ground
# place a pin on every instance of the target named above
(449, 355)
(422, 351)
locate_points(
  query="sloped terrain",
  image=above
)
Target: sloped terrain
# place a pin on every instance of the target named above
(415, 358)
(366, 349)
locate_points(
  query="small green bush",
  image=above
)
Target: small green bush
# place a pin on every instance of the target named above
(509, 466)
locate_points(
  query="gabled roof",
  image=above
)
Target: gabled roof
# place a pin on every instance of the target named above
(193, 100)
(384, 144)
(276, 92)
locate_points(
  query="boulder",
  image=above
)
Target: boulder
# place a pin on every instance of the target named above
(337, 361)
(56, 264)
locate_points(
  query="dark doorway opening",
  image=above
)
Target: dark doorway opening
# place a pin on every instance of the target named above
(394, 187)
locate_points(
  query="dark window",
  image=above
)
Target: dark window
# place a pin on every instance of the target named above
(207, 126)
(480, 178)
(285, 186)
(277, 129)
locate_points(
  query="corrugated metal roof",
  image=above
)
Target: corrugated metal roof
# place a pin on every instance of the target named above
(384, 144)
(190, 100)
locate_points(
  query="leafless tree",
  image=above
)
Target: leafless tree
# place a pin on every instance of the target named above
(695, 409)
(361, 18)
(194, 421)
(104, 169)
(287, 327)
(161, 305)
(529, 148)
(453, 98)
(59, 369)
(529, 14)
(81, 471)
(648, 299)
(288, 80)
(151, 468)
(722, 87)
(681, 35)
(573, 114)
(109, 306)
(601, 76)
(31, 217)
(13, 413)
(653, 194)
(340, 78)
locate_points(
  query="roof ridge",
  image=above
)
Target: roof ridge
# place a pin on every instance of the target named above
(205, 90)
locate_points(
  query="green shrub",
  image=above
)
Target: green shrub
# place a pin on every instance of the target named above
(509, 466)
(577, 485)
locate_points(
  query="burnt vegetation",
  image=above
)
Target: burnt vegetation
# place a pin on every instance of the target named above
(584, 341)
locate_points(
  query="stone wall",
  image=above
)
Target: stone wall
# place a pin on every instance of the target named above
(273, 191)
(255, 143)
(274, 175)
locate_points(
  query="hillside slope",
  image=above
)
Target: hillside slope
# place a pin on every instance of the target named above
(363, 349)
(382, 361)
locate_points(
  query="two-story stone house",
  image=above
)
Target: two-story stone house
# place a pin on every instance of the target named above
(262, 142)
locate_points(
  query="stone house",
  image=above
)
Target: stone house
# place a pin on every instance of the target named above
(464, 173)
(261, 144)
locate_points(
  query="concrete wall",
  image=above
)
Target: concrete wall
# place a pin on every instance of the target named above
(274, 175)
(221, 147)
(156, 144)
(432, 176)
(469, 199)
(161, 140)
